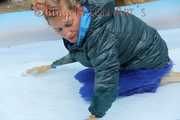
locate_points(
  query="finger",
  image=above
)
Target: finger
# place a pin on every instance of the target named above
(32, 70)
(24, 74)
(27, 72)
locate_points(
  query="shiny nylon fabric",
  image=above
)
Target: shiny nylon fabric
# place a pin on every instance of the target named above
(130, 81)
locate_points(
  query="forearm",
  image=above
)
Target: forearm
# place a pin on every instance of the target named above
(105, 94)
(62, 61)
(106, 85)
(106, 66)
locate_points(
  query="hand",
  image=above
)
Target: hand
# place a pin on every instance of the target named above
(39, 69)
(92, 117)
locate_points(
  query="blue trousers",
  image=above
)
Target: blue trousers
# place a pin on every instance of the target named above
(130, 81)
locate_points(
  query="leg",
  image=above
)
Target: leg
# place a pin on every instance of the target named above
(172, 77)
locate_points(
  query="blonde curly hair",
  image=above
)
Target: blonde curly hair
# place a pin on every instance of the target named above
(69, 3)
(51, 8)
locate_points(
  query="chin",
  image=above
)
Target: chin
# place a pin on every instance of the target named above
(72, 40)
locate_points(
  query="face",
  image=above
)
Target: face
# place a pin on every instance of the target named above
(67, 25)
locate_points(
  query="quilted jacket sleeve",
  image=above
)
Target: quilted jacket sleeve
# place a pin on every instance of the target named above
(64, 60)
(106, 81)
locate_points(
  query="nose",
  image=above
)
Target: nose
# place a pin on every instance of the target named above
(68, 34)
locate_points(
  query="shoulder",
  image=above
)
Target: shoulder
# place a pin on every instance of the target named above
(96, 2)
(94, 5)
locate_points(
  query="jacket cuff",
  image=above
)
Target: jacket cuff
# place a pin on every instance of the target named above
(95, 113)
(53, 66)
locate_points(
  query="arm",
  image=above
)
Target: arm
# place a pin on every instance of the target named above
(106, 82)
(44, 68)
(62, 61)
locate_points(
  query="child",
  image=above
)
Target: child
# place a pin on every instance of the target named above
(124, 54)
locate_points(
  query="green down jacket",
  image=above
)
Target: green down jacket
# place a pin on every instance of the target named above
(114, 41)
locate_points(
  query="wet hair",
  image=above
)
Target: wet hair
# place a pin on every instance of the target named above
(70, 4)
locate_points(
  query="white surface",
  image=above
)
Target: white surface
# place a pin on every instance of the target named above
(23, 27)
(54, 95)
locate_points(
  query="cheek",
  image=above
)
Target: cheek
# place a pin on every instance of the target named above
(59, 33)
(77, 23)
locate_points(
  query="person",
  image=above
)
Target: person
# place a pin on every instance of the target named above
(124, 55)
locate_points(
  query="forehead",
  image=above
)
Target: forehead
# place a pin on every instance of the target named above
(55, 22)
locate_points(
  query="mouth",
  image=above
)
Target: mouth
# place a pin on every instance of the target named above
(73, 37)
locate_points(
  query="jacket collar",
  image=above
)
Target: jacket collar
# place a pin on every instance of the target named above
(84, 26)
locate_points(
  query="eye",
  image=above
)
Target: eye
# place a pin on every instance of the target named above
(68, 24)
(59, 29)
